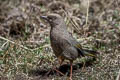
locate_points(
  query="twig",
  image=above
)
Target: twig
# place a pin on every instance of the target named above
(87, 12)
(15, 43)
(4, 44)
(118, 76)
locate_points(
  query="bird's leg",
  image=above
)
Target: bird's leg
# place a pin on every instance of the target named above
(61, 61)
(58, 71)
(71, 68)
(54, 68)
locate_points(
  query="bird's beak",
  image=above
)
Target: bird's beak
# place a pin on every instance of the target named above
(44, 17)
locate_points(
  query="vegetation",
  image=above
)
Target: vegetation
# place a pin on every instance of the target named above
(25, 51)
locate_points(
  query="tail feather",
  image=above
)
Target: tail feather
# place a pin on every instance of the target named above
(90, 53)
(85, 52)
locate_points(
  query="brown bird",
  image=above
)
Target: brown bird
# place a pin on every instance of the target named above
(64, 46)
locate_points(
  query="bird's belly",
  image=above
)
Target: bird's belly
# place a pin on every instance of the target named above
(56, 49)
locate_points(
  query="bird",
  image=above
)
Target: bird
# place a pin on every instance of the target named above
(64, 45)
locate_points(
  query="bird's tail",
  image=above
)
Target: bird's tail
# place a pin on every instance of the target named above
(85, 52)
(90, 53)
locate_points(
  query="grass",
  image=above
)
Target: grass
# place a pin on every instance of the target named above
(15, 59)
(31, 55)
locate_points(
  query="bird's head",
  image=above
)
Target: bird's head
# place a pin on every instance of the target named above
(53, 19)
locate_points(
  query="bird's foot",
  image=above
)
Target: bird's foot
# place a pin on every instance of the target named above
(59, 71)
(55, 70)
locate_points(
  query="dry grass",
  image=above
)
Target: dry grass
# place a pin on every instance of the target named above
(25, 51)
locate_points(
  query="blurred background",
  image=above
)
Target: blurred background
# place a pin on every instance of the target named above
(25, 51)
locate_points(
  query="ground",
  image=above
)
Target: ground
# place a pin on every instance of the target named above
(25, 51)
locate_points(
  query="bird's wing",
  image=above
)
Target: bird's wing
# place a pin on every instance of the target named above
(70, 53)
(83, 52)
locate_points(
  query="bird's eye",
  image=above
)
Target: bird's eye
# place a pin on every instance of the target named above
(51, 18)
